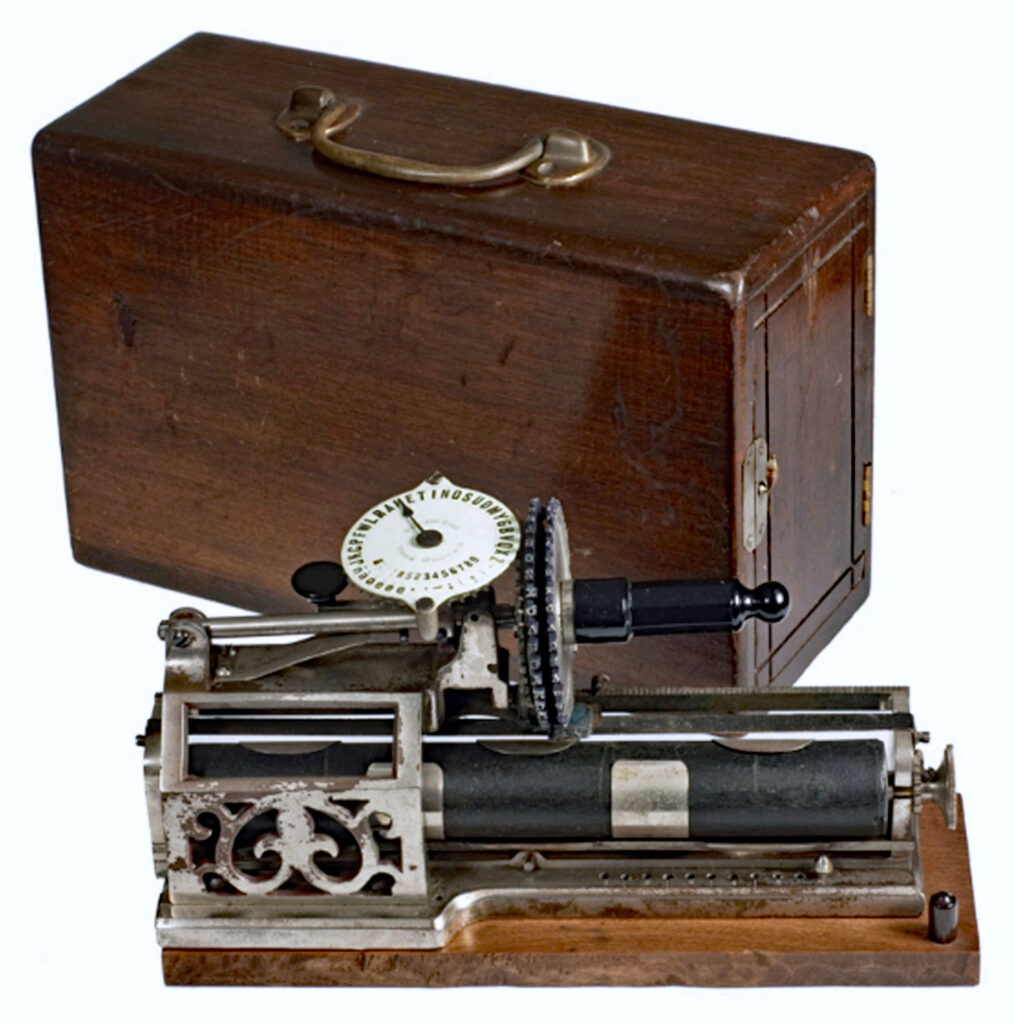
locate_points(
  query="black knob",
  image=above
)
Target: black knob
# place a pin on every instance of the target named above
(943, 917)
(615, 610)
(768, 602)
(320, 582)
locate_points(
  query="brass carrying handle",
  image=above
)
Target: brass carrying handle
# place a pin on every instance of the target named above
(561, 157)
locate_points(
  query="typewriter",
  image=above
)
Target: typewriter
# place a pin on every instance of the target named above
(368, 775)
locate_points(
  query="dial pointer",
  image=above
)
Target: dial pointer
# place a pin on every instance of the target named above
(424, 538)
(457, 540)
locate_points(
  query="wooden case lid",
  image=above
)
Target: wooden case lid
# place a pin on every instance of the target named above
(689, 203)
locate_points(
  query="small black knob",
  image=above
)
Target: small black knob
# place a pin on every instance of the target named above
(320, 582)
(768, 602)
(943, 917)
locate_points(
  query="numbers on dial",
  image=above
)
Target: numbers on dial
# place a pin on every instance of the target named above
(437, 540)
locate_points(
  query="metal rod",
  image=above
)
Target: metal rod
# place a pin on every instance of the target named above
(338, 620)
(751, 722)
(737, 699)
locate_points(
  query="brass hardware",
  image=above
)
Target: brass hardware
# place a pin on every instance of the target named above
(760, 474)
(867, 506)
(561, 157)
(868, 284)
(770, 476)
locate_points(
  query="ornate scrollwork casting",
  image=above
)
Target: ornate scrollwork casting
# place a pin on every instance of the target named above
(299, 842)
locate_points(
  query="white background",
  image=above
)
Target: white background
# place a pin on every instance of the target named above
(925, 88)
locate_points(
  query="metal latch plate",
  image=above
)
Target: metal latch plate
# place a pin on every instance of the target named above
(755, 493)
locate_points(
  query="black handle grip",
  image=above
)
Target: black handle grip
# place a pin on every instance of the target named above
(610, 611)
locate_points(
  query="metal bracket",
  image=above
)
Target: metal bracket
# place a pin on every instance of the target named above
(474, 667)
(187, 650)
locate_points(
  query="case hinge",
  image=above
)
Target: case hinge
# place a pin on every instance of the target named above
(867, 506)
(868, 285)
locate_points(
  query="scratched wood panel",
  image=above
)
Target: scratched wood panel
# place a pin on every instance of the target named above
(719, 953)
(250, 347)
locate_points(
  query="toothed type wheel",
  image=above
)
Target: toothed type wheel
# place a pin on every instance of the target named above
(545, 657)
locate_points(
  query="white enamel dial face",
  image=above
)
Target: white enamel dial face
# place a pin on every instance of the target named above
(437, 540)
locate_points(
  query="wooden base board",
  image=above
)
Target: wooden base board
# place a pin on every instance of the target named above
(606, 951)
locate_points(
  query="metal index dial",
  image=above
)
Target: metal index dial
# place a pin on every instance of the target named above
(436, 541)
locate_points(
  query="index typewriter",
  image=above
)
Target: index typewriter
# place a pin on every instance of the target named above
(368, 775)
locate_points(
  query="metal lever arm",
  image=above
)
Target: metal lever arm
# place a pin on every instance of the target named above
(611, 611)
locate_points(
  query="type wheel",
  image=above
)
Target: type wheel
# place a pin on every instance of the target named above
(547, 684)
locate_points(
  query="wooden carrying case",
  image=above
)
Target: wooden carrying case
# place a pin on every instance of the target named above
(252, 345)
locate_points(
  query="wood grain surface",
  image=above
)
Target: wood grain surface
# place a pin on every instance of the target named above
(743, 952)
(252, 347)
